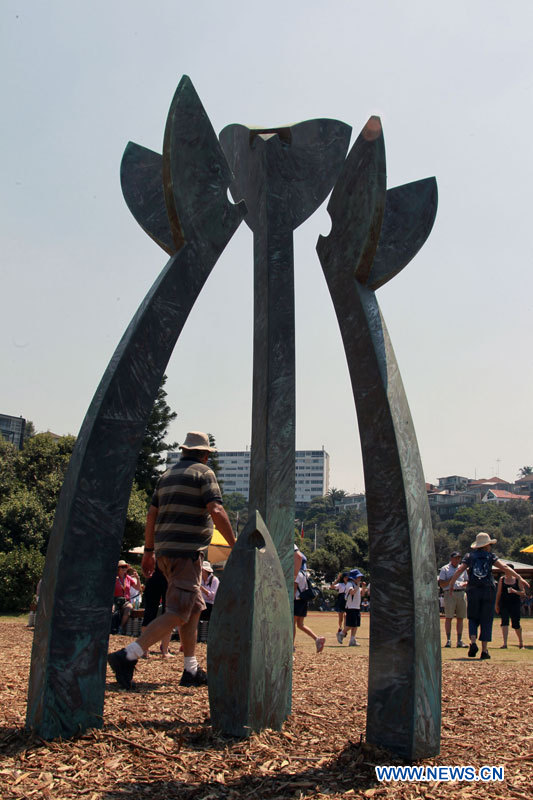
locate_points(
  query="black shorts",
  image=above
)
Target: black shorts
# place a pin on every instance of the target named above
(514, 613)
(300, 608)
(353, 618)
(340, 603)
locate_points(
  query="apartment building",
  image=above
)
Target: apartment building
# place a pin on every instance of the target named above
(311, 468)
(12, 429)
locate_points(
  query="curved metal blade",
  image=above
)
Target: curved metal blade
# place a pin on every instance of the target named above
(141, 178)
(296, 166)
(356, 206)
(196, 175)
(410, 212)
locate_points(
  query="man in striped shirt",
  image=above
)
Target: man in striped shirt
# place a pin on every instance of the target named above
(179, 527)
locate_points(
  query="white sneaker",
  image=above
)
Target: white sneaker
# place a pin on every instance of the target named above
(354, 643)
(340, 637)
(319, 643)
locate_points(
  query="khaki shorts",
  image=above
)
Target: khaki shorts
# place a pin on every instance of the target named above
(454, 605)
(184, 596)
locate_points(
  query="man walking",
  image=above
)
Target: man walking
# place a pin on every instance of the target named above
(179, 527)
(454, 599)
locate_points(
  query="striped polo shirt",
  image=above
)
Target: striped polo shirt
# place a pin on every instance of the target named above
(183, 524)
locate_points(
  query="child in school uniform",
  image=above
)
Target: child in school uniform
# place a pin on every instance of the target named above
(353, 608)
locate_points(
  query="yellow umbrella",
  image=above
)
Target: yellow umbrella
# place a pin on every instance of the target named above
(528, 549)
(219, 549)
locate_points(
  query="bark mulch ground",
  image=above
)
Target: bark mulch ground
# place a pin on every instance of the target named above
(156, 742)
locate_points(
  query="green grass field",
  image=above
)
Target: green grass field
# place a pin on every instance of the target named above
(325, 624)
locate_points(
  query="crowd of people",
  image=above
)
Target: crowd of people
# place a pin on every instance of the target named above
(186, 503)
(470, 591)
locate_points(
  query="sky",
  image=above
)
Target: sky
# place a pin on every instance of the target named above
(452, 83)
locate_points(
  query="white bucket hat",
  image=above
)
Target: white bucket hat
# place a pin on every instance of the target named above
(207, 566)
(482, 539)
(196, 440)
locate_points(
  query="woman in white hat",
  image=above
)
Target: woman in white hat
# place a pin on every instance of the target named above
(208, 587)
(481, 590)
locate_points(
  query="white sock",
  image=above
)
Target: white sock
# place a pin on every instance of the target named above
(191, 664)
(133, 651)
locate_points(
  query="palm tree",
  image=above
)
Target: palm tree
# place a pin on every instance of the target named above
(335, 495)
(524, 471)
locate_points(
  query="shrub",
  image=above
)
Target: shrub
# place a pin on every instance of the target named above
(20, 571)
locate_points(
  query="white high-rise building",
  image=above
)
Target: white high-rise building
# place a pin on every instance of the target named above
(312, 472)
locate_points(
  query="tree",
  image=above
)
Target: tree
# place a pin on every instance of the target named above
(335, 496)
(324, 563)
(147, 472)
(213, 458)
(29, 430)
(20, 571)
(236, 506)
(525, 471)
(135, 520)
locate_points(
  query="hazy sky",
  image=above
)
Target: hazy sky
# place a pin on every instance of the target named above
(452, 83)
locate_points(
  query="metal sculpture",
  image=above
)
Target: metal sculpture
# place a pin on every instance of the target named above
(283, 175)
(374, 234)
(180, 200)
(190, 215)
(249, 653)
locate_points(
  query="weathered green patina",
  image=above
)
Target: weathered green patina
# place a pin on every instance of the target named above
(68, 667)
(374, 234)
(249, 649)
(282, 174)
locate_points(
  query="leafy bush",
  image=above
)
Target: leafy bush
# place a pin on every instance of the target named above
(20, 571)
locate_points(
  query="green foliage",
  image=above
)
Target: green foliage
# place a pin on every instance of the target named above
(135, 520)
(523, 472)
(213, 458)
(236, 504)
(9, 481)
(324, 563)
(150, 460)
(20, 571)
(29, 430)
(509, 523)
(444, 545)
(24, 521)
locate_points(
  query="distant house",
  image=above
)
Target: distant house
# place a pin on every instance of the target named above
(453, 483)
(525, 484)
(447, 503)
(502, 496)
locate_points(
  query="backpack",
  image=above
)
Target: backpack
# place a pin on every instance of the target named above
(310, 592)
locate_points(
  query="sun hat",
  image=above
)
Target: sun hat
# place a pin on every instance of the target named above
(122, 563)
(482, 539)
(355, 573)
(196, 440)
(207, 566)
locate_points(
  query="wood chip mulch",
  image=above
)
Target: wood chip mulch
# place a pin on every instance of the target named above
(156, 742)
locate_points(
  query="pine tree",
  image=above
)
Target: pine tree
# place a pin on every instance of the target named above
(149, 461)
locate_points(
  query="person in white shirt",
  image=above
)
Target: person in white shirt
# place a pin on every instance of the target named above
(208, 587)
(300, 606)
(353, 608)
(340, 602)
(454, 598)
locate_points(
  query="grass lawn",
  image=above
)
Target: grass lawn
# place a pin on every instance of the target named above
(325, 624)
